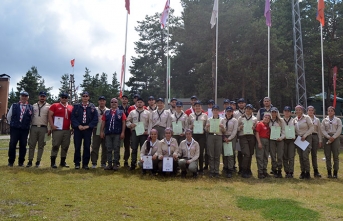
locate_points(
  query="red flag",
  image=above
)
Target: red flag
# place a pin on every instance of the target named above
(334, 86)
(127, 6)
(320, 12)
(72, 62)
(165, 14)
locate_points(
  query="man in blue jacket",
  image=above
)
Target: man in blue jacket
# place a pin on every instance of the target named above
(19, 118)
(84, 118)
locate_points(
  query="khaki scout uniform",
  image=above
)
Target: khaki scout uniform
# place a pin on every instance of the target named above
(167, 149)
(231, 127)
(238, 113)
(160, 120)
(317, 137)
(200, 138)
(189, 151)
(153, 149)
(180, 118)
(214, 147)
(288, 149)
(38, 130)
(134, 117)
(331, 128)
(304, 128)
(276, 147)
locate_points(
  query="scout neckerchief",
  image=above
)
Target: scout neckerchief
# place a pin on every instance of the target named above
(331, 121)
(139, 115)
(65, 110)
(102, 110)
(23, 109)
(177, 118)
(153, 108)
(287, 121)
(189, 144)
(247, 117)
(171, 110)
(273, 121)
(151, 146)
(159, 114)
(84, 117)
(192, 110)
(197, 116)
(168, 142)
(113, 112)
(299, 118)
(40, 107)
(241, 111)
(227, 121)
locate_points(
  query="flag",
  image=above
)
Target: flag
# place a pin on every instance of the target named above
(77, 88)
(320, 12)
(334, 86)
(267, 13)
(127, 6)
(72, 62)
(165, 14)
(214, 14)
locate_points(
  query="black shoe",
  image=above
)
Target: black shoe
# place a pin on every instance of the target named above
(53, 162)
(335, 174)
(317, 174)
(302, 175)
(21, 165)
(307, 175)
(329, 174)
(10, 164)
(272, 172)
(229, 174)
(195, 175)
(143, 172)
(85, 167)
(279, 174)
(245, 174)
(132, 168)
(63, 162)
(108, 167)
(37, 163)
(183, 174)
(201, 172)
(126, 164)
(261, 176)
(77, 167)
(249, 172)
(290, 174)
(205, 168)
(29, 164)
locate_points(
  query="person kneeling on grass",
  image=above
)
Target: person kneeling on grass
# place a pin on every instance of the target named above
(189, 151)
(167, 148)
(262, 151)
(149, 148)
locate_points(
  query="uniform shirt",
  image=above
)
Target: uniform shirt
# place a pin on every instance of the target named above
(317, 130)
(172, 111)
(238, 113)
(151, 109)
(259, 116)
(153, 148)
(134, 118)
(167, 149)
(59, 111)
(125, 109)
(100, 113)
(288, 122)
(40, 114)
(190, 152)
(279, 124)
(333, 126)
(180, 117)
(191, 110)
(231, 126)
(193, 117)
(208, 123)
(241, 121)
(263, 130)
(133, 107)
(159, 118)
(303, 126)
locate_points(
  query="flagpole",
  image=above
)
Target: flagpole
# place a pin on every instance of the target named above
(269, 61)
(321, 41)
(168, 71)
(127, 18)
(216, 77)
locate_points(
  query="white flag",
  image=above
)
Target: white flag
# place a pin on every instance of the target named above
(165, 13)
(214, 14)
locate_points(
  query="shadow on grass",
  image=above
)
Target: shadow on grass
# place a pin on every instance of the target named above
(278, 209)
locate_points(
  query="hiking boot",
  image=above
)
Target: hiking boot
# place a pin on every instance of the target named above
(108, 167)
(335, 174)
(261, 176)
(317, 174)
(29, 164)
(307, 175)
(37, 163)
(302, 175)
(329, 174)
(53, 162)
(63, 163)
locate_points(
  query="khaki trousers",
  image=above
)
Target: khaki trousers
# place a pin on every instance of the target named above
(60, 138)
(37, 134)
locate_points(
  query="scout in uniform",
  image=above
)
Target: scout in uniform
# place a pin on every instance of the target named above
(150, 148)
(247, 140)
(39, 128)
(160, 119)
(152, 104)
(172, 103)
(267, 105)
(276, 143)
(191, 109)
(238, 113)
(230, 127)
(19, 118)
(262, 150)
(97, 140)
(60, 120)
(189, 151)
(84, 118)
(226, 104)
(331, 128)
(317, 138)
(288, 146)
(125, 108)
(134, 107)
(179, 122)
(210, 104)
(138, 122)
(304, 129)
(113, 130)
(197, 122)
(168, 147)
(214, 141)
(233, 105)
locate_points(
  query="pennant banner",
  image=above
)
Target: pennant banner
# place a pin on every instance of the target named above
(267, 13)
(72, 62)
(334, 86)
(127, 6)
(320, 12)
(214, 14)
(165, 14)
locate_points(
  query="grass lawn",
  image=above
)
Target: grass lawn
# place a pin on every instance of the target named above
(69, 194)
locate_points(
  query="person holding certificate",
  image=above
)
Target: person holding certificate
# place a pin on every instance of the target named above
(149, 158)
(197, 122)
(188, 155)
(288, 146)
(238, 113)
(60, 120)
(160, 119)
(304, 129)
(229, 141)
(138, 122)
(247, 140)
(113, 130)
(262, 150)
(331, 128)
(277, 134)
(97, 140)
(167, 153)
(127, 140)
(214, 141)
(152, 104)
(179, 122)
(317, 138)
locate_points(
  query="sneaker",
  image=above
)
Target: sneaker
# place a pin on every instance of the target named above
(108, 167)
(76, 167)
(37, 164)
(94, 166)
(29, 164)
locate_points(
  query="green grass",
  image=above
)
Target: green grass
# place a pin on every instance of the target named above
(69, 194)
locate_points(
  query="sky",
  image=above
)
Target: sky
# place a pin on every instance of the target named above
(49, 33)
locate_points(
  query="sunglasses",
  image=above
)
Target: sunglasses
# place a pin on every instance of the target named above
(64, 97)
(84, 95)
(114, 102)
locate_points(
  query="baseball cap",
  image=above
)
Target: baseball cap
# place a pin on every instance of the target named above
(249, 106)
(197, 102)
(215, 107)
(173, 99)
(160, 99)
(210, 102)
(274, 109)
(42, 93)
(85, 93)
(64, 94)
(287, 108)
(179, 104)
(229, 109)
(226, 101)
(151, 98)
(241, 100)
(102, 98)
(194, 97)
(24, 93)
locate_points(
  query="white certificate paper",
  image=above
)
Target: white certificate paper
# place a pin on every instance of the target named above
(228, 151)
(301, 144)
(58, 122)
(98, 128)
(177, 128)
(139, 128)
(290, 132)
(147, 164)
(275, 132)
(167, 164)
(198, 127)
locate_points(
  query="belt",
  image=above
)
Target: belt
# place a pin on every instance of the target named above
(214, 134)
(331, 134)
(39, 126)
(314, 134)
(158, 126)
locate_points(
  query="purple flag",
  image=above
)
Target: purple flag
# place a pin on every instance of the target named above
(267, 13)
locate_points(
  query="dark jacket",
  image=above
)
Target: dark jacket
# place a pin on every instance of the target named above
(77, 116)
(27, 117)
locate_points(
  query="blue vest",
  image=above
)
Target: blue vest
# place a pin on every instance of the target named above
(116, 128)
(262, 111)
(27, 116)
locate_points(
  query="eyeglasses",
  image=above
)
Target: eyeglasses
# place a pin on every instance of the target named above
(84, 95)
(64, 97)
(114, 102)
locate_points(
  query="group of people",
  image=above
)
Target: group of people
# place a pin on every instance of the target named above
(171, 139)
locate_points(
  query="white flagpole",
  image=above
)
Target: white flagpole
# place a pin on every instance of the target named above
(268, 61)
(216, 77)
(168, 71)
(321, 40)
(123, 86)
